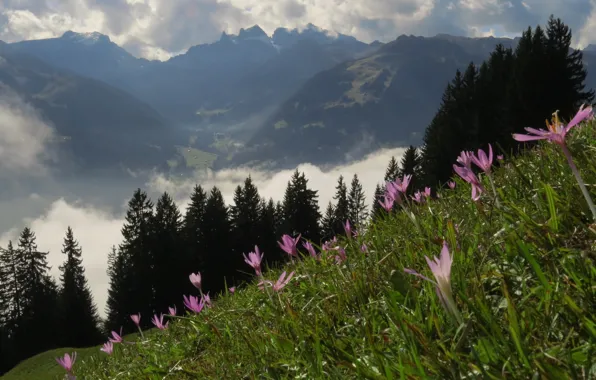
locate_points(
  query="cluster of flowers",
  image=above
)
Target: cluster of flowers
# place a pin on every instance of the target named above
(439, 266)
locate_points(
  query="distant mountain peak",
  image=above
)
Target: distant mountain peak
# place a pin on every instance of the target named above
(85, 38)
(254, 32)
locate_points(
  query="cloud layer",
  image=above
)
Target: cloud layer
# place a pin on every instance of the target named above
(97, 230)
(24, 137)
(159, 28)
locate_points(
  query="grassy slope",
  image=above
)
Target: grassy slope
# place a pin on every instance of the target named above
(523, 278)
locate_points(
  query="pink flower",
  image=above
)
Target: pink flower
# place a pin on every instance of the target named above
(193, 304)
(136, 318)
(341, 255)
(387, 202)
(468, 175)
(254, 260)
(348, 228)
(441, 269)
(500, 157)
(465, 158)
(311, 250)
(427, 192)
(207, 300)
(117, 338)
(279, 284)
(67, 361)
(288, 245)
(195, 279)
(418, 197)
(451, 185)
(399, 185)
(158, 322)
(172, 310)
(364, 248)
(232, 289)
(482, 161)
(555, 131)
(107, 347)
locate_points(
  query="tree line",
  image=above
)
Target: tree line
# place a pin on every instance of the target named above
(149, 270)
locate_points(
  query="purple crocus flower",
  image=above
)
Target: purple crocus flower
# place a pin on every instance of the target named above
(418, 197)
(348, 228)
(136, 318)
(387, 202)
(281, 282)
(195, 279)
(207, 300)
(232, 289)
(441, 269)
(311, 250)
(67, 361)
(427, 192)
(193, 304)
(451, 185)
(254, 260)
(172, 310)
(288, 244)
(364, 248)
(116, 338)
(107, 347)
(556, 133)
(341, 255)
(483, 161)
(468, 175)
(158, 322)
(465, 158)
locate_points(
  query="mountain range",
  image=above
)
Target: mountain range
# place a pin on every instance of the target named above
(274, 101)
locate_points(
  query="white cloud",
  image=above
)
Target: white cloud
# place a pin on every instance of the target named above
(24, 137)
(97, 231)
(160, 28)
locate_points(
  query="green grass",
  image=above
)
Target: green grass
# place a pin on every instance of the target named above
(523, 279)
(195, 158)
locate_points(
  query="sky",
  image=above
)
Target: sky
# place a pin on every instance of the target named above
(98, 227)
(157, 29)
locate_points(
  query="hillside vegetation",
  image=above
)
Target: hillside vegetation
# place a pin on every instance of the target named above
(523, 280)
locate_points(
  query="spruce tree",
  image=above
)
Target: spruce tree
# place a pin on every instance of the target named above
(36, 329)
(170, 266)
(376, 206)
(218, 246)
(410, 165)
(193, 235)
(301, 209)
(246, 227)
(79, 322)
(117, 308)
(328, 223)
(342, 205)
(268, 234)
(392, 171)
(357, 203)
(137, 249)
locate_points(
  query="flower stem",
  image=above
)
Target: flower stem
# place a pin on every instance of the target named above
(580, 181)
(492, 184)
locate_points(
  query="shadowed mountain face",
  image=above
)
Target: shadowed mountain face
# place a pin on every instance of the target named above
(384, 99)
(97, 126)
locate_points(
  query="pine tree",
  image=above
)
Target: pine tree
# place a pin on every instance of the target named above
(137, 251)
(357, 203)
(376, 206)
(193, 236)
(246, 226)
(216, 229)
(117, 308)
(36, 329)
(342, 205)
(301, 209)
(392, 171)
(328, 223)
(78, 314)
(410, 165)
(268, 234)
(170, 267)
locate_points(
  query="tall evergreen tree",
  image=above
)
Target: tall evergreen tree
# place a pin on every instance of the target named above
(170, 266)
(268, 233)
(328, 223)
(218, 247)
(117, 308)
(410, 165)
(193, 235)
(36, 330)
(246, 226)
(376, 206)
(357, 203)
(79, 322)
(137, 251)
(301, 209)
(392, 171)
(342, 205)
